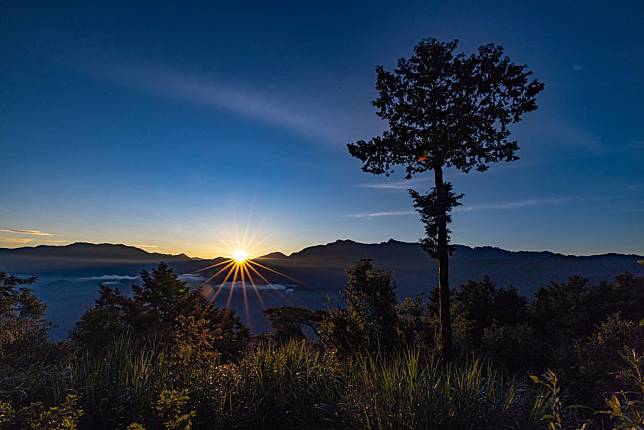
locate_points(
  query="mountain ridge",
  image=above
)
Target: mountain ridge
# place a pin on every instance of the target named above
(323, 267)
(88, 246)
(277, 254)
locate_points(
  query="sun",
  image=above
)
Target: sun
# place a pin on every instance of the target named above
(240, 255)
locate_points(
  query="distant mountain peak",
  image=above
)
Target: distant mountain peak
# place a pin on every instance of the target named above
(92, 250)
(273, 256)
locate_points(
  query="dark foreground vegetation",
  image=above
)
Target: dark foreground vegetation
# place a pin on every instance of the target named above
(166, 358)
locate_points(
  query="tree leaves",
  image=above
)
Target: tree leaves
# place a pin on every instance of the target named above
(448, 109)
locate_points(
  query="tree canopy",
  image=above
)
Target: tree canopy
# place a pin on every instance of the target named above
(448, 109)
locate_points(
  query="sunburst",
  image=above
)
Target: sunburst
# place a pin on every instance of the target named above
(239, 270)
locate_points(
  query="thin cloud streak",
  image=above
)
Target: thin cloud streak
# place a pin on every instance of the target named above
(23, 231)
(211, 92)
(16, 240)
(473, 208)
(380, 214)
(511, 205)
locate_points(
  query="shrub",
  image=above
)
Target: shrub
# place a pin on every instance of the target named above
(172, 410)
(35, 416)
(409, 391)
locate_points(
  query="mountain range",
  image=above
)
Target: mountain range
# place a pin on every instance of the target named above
(322, 267)
(69, 276)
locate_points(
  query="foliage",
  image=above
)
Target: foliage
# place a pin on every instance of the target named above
(370, 320)
(163, 309)
(444, 110)
(626, 408)
(434, 210)
(415, 325)
(287, 322)
(599, 355)
(35, 416)
(448, 109)
(483, 304)
(564, 315)
(29, 363)
(550, 404)
(410, 391)
(171, 409)
(121, 385)
(515, 348)
(23, 329)
(288, 386)
(376, 366)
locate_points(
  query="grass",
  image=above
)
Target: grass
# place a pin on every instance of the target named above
(409, 391)
(297, 386)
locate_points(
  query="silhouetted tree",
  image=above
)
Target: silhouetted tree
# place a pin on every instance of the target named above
(287, 322)
(598, 356)
(446, 110)
(23, 328)
(566, 311)
(370, 320)
(483, 304)
(371, 300)
(164, 309)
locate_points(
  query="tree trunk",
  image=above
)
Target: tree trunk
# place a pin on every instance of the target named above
(443, 266)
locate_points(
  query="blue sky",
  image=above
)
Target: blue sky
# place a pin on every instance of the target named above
(180, 126)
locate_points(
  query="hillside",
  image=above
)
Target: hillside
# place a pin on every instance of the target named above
(79, 259)
(322, 267)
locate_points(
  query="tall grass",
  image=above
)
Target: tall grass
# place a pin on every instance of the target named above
(291, 385)
(295, 385)
(123, 385)
(409, 391)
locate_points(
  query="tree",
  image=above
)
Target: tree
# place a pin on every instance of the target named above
(483, 304)
(287, 322)
(598, 356)
(23, 328)
(165, 309)
(446, 110)
(371, 300)
(370, 321)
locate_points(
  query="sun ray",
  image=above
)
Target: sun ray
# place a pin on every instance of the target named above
(244, 294)
(221, 286)
(232, 286)
(270, 284)
(230, 263)
(277, 272)
(212, 266)
(245, 239)
(257, 293)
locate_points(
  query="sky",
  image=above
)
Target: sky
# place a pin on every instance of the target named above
(190, 127)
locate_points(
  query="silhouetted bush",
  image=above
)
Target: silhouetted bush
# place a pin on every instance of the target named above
(164, 310)
(165, 358)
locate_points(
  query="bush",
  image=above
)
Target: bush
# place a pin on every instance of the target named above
(599, 356)
(35, 416)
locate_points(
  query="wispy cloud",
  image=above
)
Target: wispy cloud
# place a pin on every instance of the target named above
(380, 214)
(517, 204)
(215, 93)
(28, 232)
(16, 240)
(578, 67)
